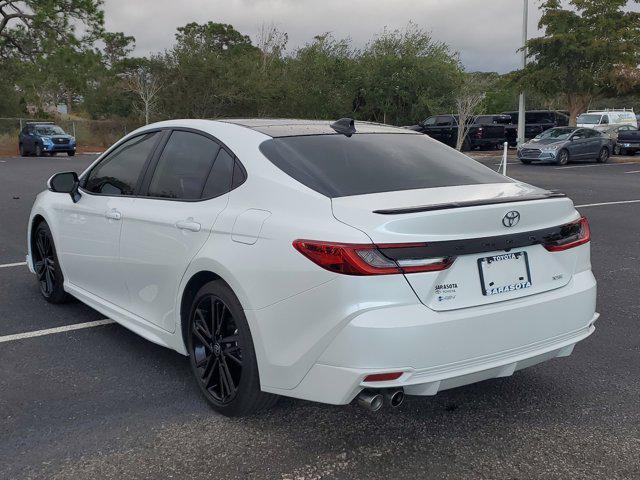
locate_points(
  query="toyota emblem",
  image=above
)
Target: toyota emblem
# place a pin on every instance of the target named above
(511, 219)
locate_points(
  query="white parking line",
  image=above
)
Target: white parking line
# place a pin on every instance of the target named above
(598, 165)
(51, 331)
(607, 203)
(18, 264)
(633, 171)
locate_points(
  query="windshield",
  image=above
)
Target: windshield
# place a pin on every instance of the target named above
(556, 133)
(338, 166)
(589, 119)
(49, 130)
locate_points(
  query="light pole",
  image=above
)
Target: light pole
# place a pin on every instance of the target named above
(521, 109)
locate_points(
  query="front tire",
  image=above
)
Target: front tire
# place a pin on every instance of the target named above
(38, 151)
(23, 152)
(603, 156)
(47, 266)
(221, 353)
(563, 157)
(71, 153)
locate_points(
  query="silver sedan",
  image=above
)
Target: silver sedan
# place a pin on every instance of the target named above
(561, 145)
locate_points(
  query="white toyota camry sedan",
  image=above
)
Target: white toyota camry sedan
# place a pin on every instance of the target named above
(317, 260)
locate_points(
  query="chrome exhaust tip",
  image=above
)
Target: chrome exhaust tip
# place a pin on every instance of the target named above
(394, 398)
(370, 400)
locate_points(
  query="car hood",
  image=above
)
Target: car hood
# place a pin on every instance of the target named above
(545, 142)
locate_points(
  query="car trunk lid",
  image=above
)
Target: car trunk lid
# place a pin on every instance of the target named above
(468, 222)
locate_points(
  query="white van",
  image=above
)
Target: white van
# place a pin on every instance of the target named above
(601, 120)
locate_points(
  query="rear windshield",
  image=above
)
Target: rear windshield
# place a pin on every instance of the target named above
(338, 166)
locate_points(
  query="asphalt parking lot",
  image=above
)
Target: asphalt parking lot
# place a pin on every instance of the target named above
(102, 402)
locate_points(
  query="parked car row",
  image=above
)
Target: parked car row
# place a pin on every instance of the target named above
(490, 131)
(599, 134)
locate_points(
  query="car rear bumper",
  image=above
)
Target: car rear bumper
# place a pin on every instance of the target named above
(486, 142)
(440, 350)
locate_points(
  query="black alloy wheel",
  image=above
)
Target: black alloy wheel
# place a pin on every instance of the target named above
(221, 352)
(563, 157)
(217, 353)
(46, 265)
(604, 155)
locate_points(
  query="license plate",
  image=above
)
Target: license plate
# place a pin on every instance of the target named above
(504, 273)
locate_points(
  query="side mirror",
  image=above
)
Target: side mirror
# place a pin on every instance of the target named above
(65, 182)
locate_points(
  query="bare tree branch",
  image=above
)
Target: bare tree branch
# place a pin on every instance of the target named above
(146, 86)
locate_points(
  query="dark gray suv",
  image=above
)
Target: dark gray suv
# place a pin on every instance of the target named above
(561, 145)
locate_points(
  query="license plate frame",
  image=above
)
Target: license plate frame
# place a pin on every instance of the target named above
(519, 272)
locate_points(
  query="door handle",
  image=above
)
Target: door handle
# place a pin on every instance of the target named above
(113, 214)
(189, 224)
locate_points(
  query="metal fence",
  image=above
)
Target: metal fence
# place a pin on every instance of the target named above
(91, 135)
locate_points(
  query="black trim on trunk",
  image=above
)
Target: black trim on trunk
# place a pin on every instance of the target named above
(470, 203)
(454, 248)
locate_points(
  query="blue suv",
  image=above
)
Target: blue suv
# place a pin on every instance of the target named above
(45, 138)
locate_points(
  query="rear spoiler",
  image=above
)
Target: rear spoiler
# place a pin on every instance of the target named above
(470, 203)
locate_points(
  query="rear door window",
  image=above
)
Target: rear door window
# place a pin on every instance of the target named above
(220, 177)
(183, 167)
(338, 166)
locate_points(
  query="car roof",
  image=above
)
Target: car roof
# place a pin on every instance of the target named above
(282, 127)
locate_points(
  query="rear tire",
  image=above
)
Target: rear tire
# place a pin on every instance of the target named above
(47, 266)
(563, 157)
(525, 161)
(221, 353)
(603, 157)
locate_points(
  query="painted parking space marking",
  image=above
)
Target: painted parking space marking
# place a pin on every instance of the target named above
(51, 331)
(17, 264)
(607, 203)
(598, 165)
(633, 171)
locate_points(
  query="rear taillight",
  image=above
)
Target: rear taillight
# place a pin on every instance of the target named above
(570, 235)
(367, 259)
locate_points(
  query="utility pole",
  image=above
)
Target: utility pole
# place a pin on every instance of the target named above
(521, 109)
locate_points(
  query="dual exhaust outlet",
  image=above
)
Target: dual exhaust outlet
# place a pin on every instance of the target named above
(373, 400)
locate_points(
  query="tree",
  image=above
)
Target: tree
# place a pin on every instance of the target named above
(469, 99)
(407, 76)
(35, 26)
(587, 51)
(145, 84)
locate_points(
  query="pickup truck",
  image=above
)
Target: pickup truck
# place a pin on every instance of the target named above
(536, 122)
(444, 128)
(628, 142)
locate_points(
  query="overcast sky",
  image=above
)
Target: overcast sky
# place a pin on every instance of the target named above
(487, 33)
